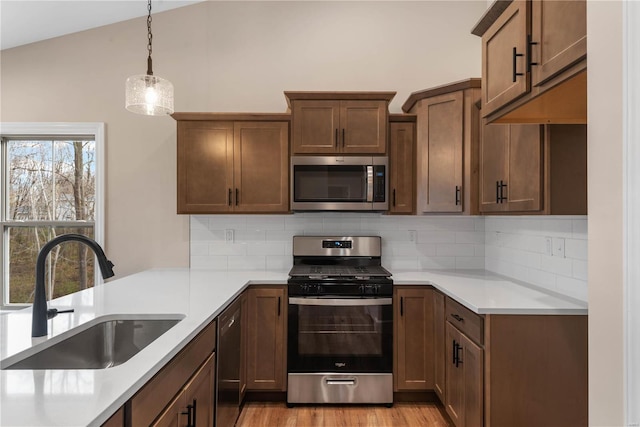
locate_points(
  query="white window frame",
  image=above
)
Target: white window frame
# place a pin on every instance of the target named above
(15, 129)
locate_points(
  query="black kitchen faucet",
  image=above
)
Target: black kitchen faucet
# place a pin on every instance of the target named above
(40, 314)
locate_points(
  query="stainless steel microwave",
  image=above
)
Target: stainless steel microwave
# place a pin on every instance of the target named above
(339, 183)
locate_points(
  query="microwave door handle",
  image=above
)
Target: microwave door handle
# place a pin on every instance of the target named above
(369, 183)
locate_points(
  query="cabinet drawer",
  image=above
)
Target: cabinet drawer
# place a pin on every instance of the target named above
(468, 322)
(150, 401)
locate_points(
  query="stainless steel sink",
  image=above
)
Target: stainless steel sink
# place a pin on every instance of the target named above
(105, 344)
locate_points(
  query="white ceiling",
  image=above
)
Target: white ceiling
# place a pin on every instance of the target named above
(28, 21)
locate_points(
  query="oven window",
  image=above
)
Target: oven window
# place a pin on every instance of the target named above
(340, 331)
(318, 183)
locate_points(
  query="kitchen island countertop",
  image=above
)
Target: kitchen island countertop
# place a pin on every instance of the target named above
(89, 397)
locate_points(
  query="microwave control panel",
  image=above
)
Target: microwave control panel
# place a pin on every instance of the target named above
(379, 183)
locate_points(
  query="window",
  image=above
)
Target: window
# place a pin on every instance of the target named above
(51, 184)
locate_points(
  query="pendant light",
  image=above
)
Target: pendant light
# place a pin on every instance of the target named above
(148, 94)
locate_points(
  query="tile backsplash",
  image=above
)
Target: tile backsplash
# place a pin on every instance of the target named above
(546, 251)
(259, 242)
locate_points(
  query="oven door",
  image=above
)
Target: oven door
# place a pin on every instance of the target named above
(332, 334)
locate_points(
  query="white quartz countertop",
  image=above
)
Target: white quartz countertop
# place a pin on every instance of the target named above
(89, 397)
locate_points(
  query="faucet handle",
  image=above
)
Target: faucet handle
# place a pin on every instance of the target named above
(53, 312)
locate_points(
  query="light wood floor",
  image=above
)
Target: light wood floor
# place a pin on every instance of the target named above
(276, 414)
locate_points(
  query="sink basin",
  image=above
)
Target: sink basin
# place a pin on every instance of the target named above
(105, 344)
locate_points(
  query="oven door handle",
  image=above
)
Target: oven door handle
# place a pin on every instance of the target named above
(340, 301)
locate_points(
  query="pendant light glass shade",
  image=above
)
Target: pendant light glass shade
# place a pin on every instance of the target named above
(145, 93)
(149, 95)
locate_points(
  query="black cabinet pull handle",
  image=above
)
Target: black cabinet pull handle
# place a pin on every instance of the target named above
(342, 137)
(237, 197)
(229, 197)
(336, 137)
(194, 423)
(279, 301)
(497, 192)
(190, 416)
(458, 191)
(515, 56)
(454, 352)
(394, 197)
(457, 350)
(401, 306)
(503, 198)
(458, 318)
(529, 61)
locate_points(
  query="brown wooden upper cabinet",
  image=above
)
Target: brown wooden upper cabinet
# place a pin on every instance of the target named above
(339, 122)
(447, 146)
(511, 168)
(402, 163)
(534, 168)
(532, 48)
(226, 164)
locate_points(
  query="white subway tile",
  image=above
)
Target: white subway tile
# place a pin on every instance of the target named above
(579, 229)
(303, 223)
(576, 249)
(426, 249)
(399, 249)
(340, 225)
(448, 249)
(199, 248)
(557, 227)
(437, 263)
(198, 222)
(252, 235)
(265, 222)
(209, 262)
(469, 263)
(203, 235)
(265, 248)
(455, 224)
(279, 263)
(478, 251)
(436, 237)
(469, 237)
(402, 263)
(541, 278)
(556, 265)
(580, 270)
(246, 262)
(279, 235)
(223, 248)
(223, 222)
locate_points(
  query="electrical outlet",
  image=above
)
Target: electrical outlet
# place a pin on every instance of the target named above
(558, 247)
(413, 236)
(228, 235)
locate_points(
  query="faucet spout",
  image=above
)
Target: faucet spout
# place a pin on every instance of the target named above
(39, 310)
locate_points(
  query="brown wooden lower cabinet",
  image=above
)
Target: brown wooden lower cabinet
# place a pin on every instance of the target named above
(464, 380)
(266, 338)
(439, 334)
(193, 407)
(413, 338)
(174, 379)
(116, 420)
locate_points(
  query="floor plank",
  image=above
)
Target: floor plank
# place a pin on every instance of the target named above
(276, 414)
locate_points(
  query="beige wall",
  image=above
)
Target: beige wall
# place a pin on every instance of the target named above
(606, 323)
(223, 56)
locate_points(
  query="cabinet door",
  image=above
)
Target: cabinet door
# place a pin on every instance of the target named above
(524, 181)
(205, 165)
(316, 126)
(493, 160)
(472, 362)
(439, 338)
(244, 314)
(267, 356)
(199, 394)
(559, 29)
(504, 76)
(413, 338)
(401, 167)
(116, 420)
(455, 387)
(261, 167)
(363, 127)
(175, 415)
(440, 139)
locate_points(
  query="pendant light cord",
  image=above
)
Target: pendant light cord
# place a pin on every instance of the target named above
(150, 41)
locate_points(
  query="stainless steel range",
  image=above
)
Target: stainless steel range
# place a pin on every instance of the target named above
(340, 346)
